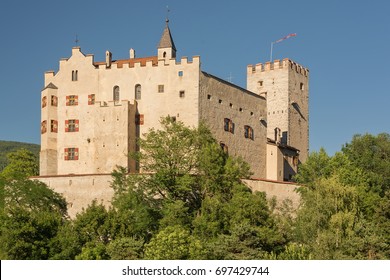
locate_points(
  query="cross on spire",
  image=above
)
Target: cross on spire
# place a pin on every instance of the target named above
(76, 40)
(167, 18)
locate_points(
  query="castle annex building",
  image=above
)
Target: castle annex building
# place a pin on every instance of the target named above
(93, 112)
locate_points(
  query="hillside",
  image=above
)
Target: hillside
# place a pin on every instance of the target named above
(10, 146)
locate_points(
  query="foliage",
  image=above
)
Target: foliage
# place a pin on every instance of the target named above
(7, 147)
(30, 218)
(22, 164)
(344, 198)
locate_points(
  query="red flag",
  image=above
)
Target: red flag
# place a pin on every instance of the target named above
(286, 37)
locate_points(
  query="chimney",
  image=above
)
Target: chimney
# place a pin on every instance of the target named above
(108, 59)
(132, 53)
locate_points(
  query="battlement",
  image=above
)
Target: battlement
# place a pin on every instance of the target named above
(277, 64)
(151, 61)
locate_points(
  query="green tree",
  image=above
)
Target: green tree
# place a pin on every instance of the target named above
(343, 200)
(22, 164)
(30, 218)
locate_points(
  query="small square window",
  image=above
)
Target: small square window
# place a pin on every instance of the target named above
(180, 73)
(160, 88)
(182, 94)
(208, 96)
(231, 105)
(220, 101)
(260, 83)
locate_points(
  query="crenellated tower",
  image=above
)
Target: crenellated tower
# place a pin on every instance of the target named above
(285, 85)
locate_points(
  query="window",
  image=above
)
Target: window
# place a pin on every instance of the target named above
(116, 94)
(71, 125)
(224, 147)
(260, 83)
(75, 75)
(248, 132)
(301, 86)
(54, 101)
(44, 102)
(228, 125)
(160, 88)
(72, 100)
(91, 99)
(139, 119)
(180, 73)
(220, 101)
(208, 96)
(137, 94)
(182, 94)
(54, 126)
(71, 154)
(43, 127)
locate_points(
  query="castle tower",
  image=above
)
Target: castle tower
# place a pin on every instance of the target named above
(49, 129)
(285, 85)
(166, 48)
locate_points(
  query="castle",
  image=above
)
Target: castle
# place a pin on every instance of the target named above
(93, 112)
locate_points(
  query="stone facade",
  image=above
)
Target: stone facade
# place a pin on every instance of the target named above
(93, 112)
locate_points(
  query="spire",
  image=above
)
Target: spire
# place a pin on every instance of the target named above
(166, 40)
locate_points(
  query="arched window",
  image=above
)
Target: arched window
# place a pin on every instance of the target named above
(137, 94)
(116, 94)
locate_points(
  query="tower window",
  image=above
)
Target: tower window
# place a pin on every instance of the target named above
(228, 125)
(72, 100)
(160, 88)
(54, 126)
(43, 127)
(116, 94)
(260, 83)
(91, 99)
(248, 132)
(54, 100)
(182, 94)
(71, 125)
(71, 153)
(44, 102)
(137, 94)
(301, 86)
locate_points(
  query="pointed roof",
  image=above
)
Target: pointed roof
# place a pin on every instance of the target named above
(166, 40)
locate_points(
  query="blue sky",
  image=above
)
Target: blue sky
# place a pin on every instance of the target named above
(345, 44)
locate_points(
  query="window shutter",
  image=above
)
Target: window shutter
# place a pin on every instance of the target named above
(76, 100)
(66, 125)
(76, 153)
(54, 126)
(67, 100)
(76, 125)
(66, 154)
(43, 127)
(246, 134)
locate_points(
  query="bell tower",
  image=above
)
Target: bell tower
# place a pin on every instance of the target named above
(166, 49)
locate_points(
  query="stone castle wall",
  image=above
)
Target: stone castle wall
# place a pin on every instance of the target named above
(80, 190)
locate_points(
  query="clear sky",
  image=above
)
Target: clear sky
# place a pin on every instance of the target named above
(344, 43)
